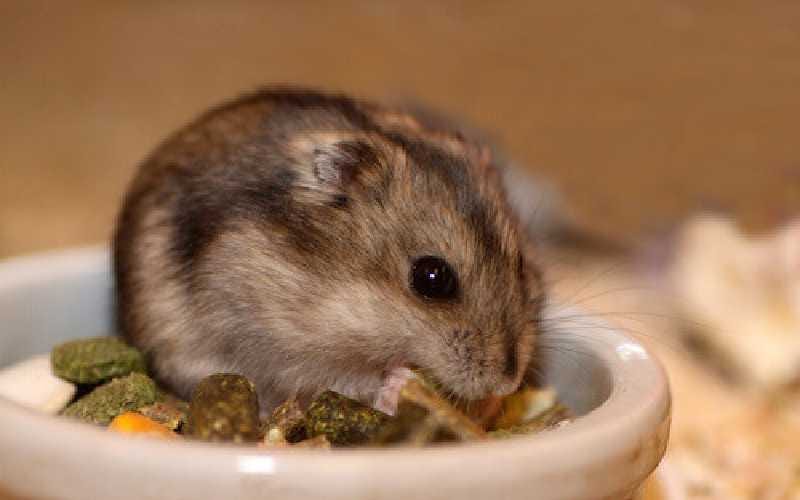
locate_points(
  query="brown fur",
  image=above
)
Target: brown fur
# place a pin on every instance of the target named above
(274, 237)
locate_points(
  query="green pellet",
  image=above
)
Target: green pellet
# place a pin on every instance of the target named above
(95, 360)
(113, 398)
(224, 408)
(344, 421)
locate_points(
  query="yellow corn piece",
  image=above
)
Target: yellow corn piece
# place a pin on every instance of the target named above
(137, 424)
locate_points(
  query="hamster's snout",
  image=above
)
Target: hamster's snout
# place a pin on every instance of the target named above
(481, 365)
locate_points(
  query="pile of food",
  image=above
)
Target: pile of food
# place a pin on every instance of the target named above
(109, 386)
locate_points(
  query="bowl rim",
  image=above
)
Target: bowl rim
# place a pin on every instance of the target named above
(638, 403)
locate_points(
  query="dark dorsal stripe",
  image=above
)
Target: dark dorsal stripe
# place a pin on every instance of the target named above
(454, 173)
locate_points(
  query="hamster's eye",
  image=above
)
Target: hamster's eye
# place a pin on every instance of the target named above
(433, 278)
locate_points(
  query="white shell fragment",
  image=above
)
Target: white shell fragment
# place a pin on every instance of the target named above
(31, 383)
(742, 294)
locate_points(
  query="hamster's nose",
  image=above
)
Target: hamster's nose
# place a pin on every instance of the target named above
(512, 373)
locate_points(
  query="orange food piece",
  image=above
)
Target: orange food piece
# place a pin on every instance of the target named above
(136, 423)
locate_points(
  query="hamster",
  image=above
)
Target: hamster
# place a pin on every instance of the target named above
(312, 241)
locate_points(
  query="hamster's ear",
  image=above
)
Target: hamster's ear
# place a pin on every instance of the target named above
(333, 163)
(337, 165)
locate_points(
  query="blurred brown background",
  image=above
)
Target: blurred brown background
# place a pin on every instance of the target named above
(640, 111)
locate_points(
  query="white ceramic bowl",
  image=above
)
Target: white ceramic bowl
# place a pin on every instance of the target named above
(607, 453)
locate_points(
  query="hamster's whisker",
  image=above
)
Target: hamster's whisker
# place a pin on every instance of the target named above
(592, 280)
